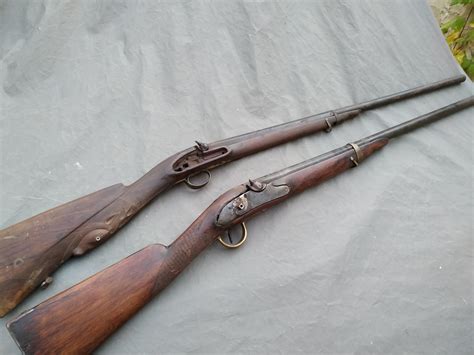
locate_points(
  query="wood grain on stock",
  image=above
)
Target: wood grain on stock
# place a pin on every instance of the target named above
(79, 319)
(31, 250)
(316, 174)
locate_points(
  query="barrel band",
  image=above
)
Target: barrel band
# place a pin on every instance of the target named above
(359, 155)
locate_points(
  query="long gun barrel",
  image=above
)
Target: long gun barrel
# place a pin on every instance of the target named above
(31, 250)
(79, 319)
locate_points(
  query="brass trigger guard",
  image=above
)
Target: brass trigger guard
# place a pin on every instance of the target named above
(201, 185)
(243, 238)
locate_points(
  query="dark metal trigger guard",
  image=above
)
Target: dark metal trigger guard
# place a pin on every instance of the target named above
(194, 186)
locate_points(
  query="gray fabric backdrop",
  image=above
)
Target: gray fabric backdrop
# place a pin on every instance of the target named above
(378, 260)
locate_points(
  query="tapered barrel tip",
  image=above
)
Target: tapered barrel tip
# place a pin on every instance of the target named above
(455, 79)
(461, 78)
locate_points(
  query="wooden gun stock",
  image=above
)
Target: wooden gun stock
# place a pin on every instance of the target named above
(31, 250)
(112, 296)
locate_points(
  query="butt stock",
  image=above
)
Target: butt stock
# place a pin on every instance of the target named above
(31, 250)
(79, 319)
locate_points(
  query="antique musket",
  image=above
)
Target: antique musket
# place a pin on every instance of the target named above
(31, 250)
(79, 319)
